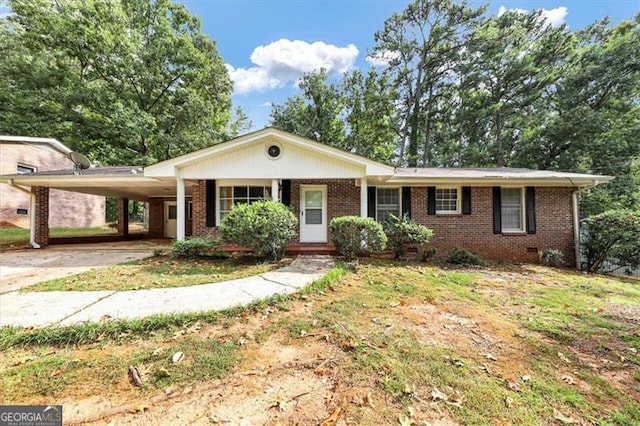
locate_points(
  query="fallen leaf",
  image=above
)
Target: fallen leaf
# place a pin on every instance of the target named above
(509, 401)
(490, 357)
(564, 358)
(562, 418)
(135, 377)
(568, 379)
(404, 420)
(177, 357)
(436, 395)
(513, 385)
(526, 378)
(332, 419)
(411, 412)
(278, 403)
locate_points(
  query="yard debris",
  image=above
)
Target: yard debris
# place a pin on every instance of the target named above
(513, 385)
(139, 409)
(332, 420)
(568, 379)
(564, 358)
(490, 357)
(508, 401)
(562, 418)
(526, 378)
(135, 376)
(177, 357)
(437, 395)
(404, 420)
(278, 403)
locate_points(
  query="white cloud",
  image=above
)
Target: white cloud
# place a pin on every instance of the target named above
(554, 17)
(382, 58)
(284, 61)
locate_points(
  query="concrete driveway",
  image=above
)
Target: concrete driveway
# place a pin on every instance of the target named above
(23, 268)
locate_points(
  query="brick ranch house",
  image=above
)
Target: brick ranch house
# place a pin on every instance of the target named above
(25, 155)
(501, 213)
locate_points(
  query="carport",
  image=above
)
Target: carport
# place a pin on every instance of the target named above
(123, 183)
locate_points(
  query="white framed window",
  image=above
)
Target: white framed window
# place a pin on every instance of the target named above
(387, 203)
(24, 169)
(230, 196)
(447, 200)
(512, 209)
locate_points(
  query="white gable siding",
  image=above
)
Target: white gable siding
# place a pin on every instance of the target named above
(252, 162)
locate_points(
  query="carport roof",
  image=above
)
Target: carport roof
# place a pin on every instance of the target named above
(122, 181)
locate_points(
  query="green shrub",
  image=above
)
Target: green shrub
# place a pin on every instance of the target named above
(196, 246)
(355, 235)
(263, 226)
(614, 236)
(552, 257)
(460, 256)
(427, 253)
(402, 231)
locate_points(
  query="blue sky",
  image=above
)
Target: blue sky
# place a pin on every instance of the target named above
(269, 44)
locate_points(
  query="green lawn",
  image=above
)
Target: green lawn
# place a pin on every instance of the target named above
(161, 272)
(395, 343)
(19, 237)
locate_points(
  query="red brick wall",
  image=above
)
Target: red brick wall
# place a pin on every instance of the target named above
(475, 231)
(343, 198)
(42, 215)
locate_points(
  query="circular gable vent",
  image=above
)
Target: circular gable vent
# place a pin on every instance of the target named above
(274, 151)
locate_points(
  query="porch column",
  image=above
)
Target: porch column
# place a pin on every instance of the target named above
(123, 216)
(180, 197)
(363, 197)
(275, 188)
(40, 218)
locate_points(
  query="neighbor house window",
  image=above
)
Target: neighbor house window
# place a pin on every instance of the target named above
(232, 195)
(387, 203)
(512, 212)
(447, 201)
(23, 169)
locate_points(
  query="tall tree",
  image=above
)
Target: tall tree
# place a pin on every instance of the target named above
(423, 44)
(513, 58)
(141, 82)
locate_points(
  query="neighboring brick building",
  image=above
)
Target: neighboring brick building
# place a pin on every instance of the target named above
(501, 213)
(25, 155)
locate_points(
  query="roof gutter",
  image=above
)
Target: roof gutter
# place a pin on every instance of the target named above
(32, 213)
(576, 218)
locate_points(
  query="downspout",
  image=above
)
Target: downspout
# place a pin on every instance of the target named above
(576, 219)
(32, 213)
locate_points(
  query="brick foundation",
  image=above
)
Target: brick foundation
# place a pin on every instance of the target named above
(475, 231)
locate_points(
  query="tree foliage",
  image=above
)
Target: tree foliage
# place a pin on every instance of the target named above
(126, 81)
(612, 236)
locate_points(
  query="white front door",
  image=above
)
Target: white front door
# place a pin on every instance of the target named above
(313, 213)
(170, 219)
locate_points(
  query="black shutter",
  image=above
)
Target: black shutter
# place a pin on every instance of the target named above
(531, 210)
(210, 203)
(431, 200)
(286, 192)
(371, 202)
(466, 200)
(406, 200)
(497, 210)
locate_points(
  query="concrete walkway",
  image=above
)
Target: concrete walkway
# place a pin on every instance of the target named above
(39, 309)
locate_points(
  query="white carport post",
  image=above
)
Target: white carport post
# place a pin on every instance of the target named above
(363, 197)
(275, 188)
(180, 197)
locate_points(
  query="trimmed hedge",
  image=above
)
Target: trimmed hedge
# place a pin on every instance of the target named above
(402, 231)
(355, 235)
(263, 226)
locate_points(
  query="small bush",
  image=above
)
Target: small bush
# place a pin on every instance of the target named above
(427, 253)
(355, 235)
(264, 226)
(552, 257)
(612, 236)
(402, 231)
(196, 246)
(460, 256)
